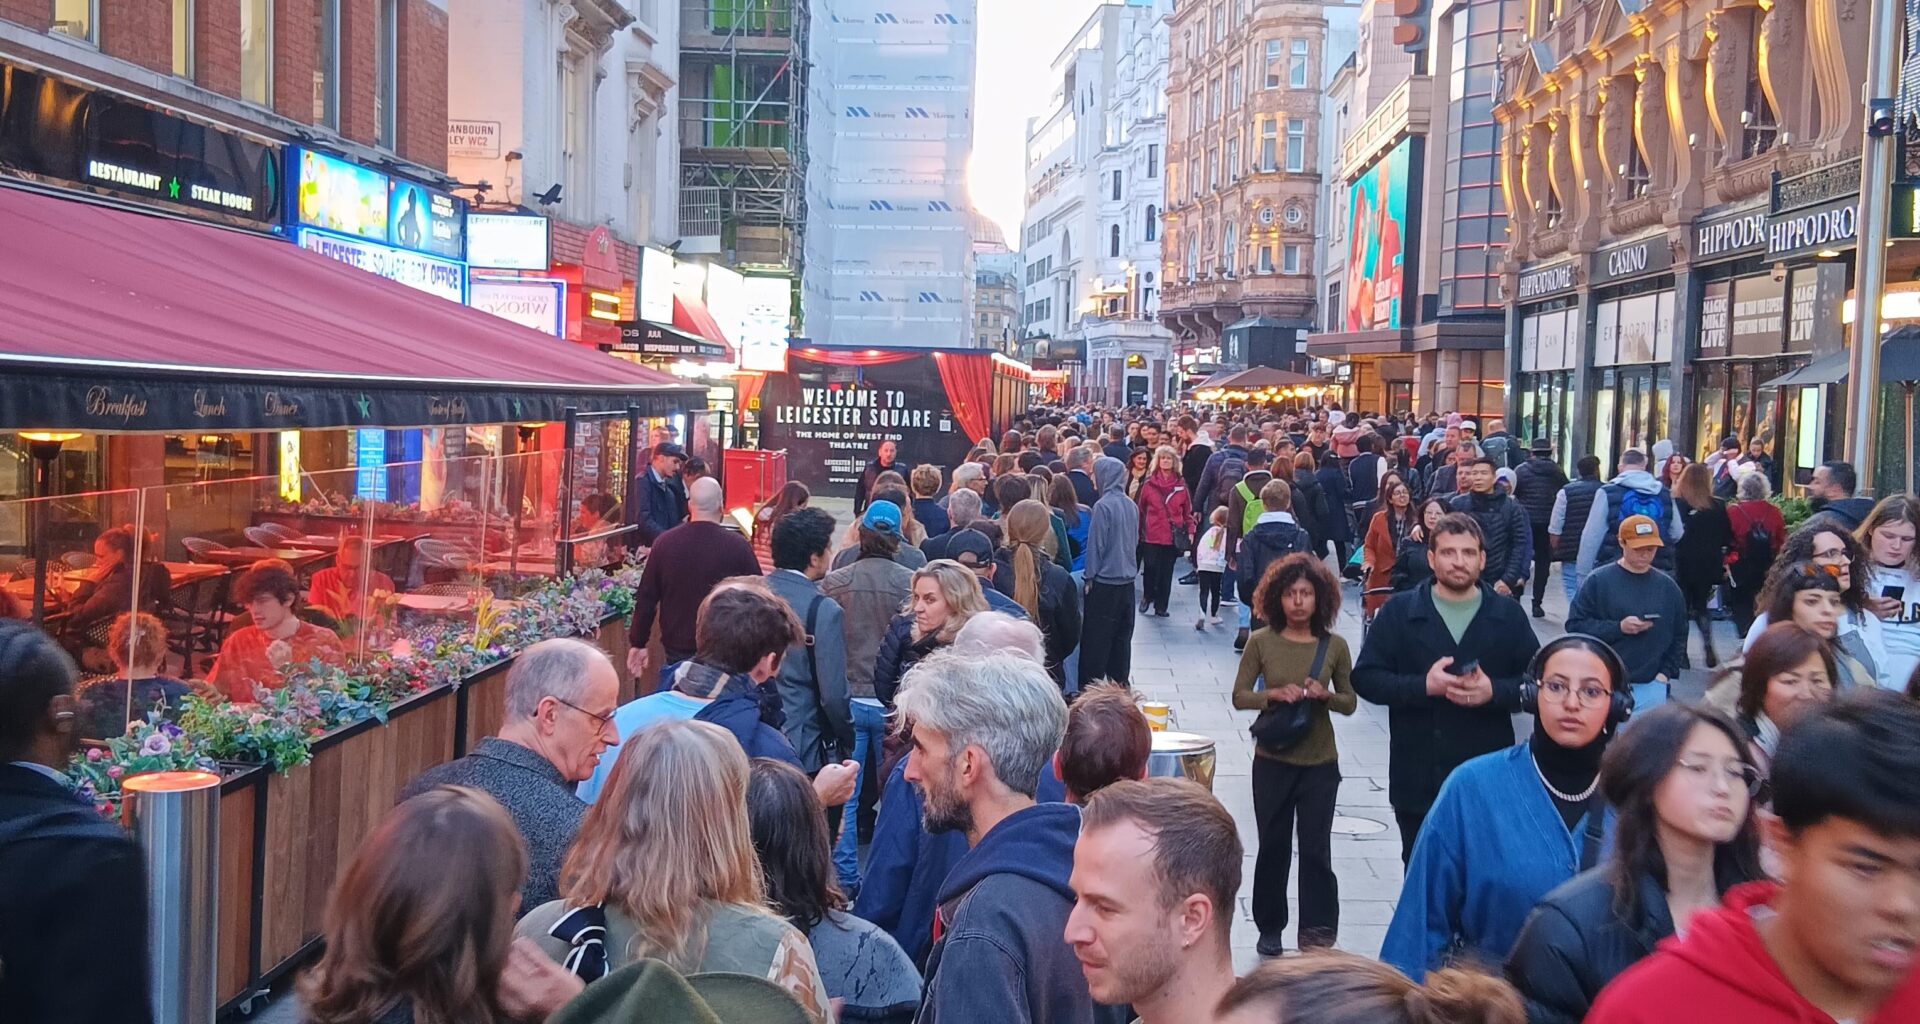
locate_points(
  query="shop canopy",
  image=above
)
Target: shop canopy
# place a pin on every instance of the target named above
(113, 321)
(691, 316)
(1899, 363)
(1828, 369)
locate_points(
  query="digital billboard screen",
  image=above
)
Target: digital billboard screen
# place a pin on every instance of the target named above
(1377, 243)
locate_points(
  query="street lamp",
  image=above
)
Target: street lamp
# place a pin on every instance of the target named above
(44, 446)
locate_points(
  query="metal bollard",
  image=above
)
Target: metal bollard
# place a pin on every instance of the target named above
(176, 818)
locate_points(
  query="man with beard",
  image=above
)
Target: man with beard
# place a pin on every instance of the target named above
(1446, 659)
(1155, 873)
(984, 728)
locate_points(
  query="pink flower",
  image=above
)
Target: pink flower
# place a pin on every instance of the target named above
(115, 771)
(94, 754)
(155, 745)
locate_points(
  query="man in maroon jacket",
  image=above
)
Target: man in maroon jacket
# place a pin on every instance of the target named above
(682, 568)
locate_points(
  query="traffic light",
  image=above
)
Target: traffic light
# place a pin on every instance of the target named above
(1410, 25)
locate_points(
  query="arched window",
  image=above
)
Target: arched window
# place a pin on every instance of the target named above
(1759, 123)
(1153, 222)
(1193, 257)
(1113, 240)
(1229, 252)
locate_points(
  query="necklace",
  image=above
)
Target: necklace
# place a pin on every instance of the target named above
(1570, 798)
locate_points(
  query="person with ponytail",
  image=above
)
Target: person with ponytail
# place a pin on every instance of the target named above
(1038, 584)
(1326, 987)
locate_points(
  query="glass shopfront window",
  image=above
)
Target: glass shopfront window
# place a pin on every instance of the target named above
(1630, 409)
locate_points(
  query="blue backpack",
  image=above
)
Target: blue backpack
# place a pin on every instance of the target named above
(1657, 507)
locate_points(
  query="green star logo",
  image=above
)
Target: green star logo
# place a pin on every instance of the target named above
(365, 405)
(516, 408)
(173, 188)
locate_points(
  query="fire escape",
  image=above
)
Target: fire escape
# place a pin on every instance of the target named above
(743, 133)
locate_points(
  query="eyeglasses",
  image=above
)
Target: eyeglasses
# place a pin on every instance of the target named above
(1831, 557)
(1738, 774)
(1589, 695)
(602, 720)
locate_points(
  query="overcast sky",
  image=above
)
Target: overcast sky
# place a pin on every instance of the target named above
(1018, 41)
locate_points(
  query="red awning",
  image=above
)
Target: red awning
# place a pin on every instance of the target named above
(90, 291)
(692, 316)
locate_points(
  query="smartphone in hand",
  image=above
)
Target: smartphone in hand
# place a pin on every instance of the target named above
(1463, 668)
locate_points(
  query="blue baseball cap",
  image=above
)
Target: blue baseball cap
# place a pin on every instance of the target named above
(883, 516)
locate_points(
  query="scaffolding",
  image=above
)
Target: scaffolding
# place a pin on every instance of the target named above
(743, 131)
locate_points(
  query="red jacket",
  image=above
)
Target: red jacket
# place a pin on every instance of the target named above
(1163, 495)
(1721, 973)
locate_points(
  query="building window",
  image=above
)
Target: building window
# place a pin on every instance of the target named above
(1269, 143)
(256, 51)
(1219, 22)
(1194, 111)
(1193, 258)
(1335, 311)
(1233, 158)
(386, 79)
(183, 38)
(1116, 184)
(1297, 65)
(576, 78)
(1274, 61)
(1289, 259)
(1266, 259)
(1213, 168)
(326, 63)
(77, 18)
(1235, 94)
(1296, 145)
(1230, 252)
(1635, 177)
(1759, 125)
(1213, 100)
(1153, 160)
(1113, 240)
(1153, 222)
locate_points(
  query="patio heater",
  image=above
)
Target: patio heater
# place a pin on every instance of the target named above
(527, 433)
(44, 446)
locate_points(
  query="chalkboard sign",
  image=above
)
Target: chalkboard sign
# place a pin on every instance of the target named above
(831, 417)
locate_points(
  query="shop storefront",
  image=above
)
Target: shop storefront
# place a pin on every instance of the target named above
(1633, 330)
(1550, 330)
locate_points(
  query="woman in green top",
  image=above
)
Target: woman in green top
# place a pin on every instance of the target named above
(1299, 598)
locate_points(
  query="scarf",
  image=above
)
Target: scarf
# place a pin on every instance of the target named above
(1766, 735)
(584, 930)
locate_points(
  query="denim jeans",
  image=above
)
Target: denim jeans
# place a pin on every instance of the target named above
(869, 727)
(1570, 580)
(1649, 695)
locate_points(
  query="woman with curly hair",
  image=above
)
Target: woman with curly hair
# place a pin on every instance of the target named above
(1825, 542)
(1296, 657)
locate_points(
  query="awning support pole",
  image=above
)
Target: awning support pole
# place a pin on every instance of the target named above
(570, 436)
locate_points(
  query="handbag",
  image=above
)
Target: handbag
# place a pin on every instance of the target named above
(1281, 726)
(1182, 540)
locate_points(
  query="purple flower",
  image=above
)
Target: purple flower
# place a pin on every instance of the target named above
(94, 754)
(155, 745)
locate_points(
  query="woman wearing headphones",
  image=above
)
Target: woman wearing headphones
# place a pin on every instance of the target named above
(1510, 826)
(1682, 783)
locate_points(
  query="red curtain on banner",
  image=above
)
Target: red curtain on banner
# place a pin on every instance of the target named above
(748, 384)
(969, 383)
(867, 357)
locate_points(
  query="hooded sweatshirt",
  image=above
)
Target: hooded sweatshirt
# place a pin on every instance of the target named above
(1002, 911)
(1598, 541)
(1721, 973)
(1115, 532)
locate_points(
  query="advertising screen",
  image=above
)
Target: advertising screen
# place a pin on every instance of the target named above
(341, 197)
(763, 332)
(426, 220)
(831, 417)
(656, 285)
(1377, 243)
(506, 241)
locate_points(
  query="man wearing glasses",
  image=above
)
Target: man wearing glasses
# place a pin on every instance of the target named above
(1640, 613)
(561, 695)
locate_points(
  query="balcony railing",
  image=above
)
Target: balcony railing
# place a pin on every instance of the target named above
(753, 19)
(734, 124)
(699, 213)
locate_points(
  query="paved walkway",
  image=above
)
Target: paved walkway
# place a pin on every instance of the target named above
(1193, 672)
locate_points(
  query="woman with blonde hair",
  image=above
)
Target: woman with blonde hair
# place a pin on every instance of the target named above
(944, 596)
(1341, 988)
(665, 869)
(1040, 586)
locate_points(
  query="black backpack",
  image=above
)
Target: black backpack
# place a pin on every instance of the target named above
(1755, 548)
(1232, 468)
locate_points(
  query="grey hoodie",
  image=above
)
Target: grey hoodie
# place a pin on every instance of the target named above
(1114, 535)
(1593, 538)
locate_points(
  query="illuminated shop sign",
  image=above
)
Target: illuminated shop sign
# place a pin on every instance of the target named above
(418, 271)
(345, 198)
(62, 133)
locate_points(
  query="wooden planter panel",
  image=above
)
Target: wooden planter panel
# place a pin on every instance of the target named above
(233, 972)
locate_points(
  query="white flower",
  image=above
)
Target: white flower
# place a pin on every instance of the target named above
(279, 653)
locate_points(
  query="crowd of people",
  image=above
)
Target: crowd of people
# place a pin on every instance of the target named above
(942, 684)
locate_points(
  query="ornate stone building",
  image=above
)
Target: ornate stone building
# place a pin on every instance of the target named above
(1682, 183)
(1243, 179)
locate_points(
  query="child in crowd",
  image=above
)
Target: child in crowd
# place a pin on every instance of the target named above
(1210, 565)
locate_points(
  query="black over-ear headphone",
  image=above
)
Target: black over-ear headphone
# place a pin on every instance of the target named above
(1619, 704)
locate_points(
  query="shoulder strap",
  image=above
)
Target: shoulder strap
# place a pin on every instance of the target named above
(813, 616)
(1319, 659)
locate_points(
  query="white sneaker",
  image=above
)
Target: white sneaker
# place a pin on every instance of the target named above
(1213, 620)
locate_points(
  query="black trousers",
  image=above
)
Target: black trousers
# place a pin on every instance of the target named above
(1409, 822)
(1209, 592)
(1286, 795)
(1542, 563)
(1106, 633)
(1157, 568)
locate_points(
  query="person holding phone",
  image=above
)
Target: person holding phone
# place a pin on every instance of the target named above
(1446, 659)
(1893, 586)
(1640, 613)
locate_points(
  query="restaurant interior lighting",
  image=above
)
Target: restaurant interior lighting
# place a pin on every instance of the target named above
(44, 446)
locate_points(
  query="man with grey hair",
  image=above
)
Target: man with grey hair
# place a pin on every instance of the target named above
(1080, 473)
(964, 512)
(983, 729)
(968, 478)
(988, 632)
(561, 695)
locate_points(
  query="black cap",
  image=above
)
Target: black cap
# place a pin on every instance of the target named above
(1542, 446)
(970, 542)
(672, 451)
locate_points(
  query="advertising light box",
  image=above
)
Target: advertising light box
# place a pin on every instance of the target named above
(340, 197)
(507, 241)
(426, 220)
(1378, 243)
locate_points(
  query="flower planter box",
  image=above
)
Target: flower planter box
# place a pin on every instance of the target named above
(242, 819)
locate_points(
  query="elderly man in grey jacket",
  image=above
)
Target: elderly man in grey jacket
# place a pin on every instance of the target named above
(561, 695)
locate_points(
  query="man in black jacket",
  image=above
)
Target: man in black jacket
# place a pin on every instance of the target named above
(885, 461)
(1274, 536)
(1535, 486)
(1570, 510)
(1438, 717)
(1503, 528)
(662, 496)
(73, 889)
